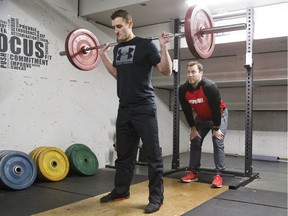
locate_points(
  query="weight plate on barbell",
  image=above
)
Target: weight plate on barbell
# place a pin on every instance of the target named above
(74, 44)
(200, 45)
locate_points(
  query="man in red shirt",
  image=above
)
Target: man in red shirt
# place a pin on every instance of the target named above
(202, 96)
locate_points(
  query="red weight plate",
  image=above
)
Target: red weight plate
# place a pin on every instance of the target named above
(199, 17)
(74, 44)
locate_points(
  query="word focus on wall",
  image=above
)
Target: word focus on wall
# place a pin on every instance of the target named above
(22, 46)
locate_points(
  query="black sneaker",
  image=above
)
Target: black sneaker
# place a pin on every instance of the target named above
(152, 207)
(114, 197)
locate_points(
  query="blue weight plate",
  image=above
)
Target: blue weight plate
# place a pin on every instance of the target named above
(17, 170)
(4, 152)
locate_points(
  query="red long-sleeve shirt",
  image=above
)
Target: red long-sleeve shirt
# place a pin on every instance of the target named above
(205, 100)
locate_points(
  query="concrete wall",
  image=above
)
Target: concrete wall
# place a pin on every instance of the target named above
(52, 104)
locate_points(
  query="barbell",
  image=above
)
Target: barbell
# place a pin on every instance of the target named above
(81, 45)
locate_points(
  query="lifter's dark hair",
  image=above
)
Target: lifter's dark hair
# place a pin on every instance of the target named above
(192, 63)
(123, 14)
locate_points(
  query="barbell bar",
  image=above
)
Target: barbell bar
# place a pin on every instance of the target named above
(81, 45)
(213, 30)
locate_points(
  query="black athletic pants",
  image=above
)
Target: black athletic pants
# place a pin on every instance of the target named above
(132, 124)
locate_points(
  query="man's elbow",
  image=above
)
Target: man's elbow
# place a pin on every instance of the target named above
(167, 71)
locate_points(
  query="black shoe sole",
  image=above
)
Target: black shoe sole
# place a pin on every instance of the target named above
(152, 211)
(115, 199)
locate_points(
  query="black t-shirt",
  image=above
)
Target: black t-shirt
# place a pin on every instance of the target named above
(133, 61)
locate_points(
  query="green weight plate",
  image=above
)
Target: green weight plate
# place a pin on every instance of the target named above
(76, 145)
(83, 161)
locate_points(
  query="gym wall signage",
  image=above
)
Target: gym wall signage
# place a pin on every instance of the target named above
(22, 46)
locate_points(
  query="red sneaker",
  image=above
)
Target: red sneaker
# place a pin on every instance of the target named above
(190, 177)
(217, 182)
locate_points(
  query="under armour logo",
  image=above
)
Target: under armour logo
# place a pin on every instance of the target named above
(125, 55)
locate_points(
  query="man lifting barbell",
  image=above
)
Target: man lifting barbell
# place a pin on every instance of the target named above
(133, 59)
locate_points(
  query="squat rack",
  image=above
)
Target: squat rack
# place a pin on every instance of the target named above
(248, 172)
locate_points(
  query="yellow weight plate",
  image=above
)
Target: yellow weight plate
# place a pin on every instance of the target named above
(53, 164)
(35, 152)
(35, 157)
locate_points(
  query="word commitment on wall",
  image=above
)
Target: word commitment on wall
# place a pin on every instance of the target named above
(22, 46)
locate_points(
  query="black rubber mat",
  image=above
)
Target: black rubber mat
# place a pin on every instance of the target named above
(101, 182)
(261, 197)
(217, 207)
(243, 202)
(34, 200)
(42, 196)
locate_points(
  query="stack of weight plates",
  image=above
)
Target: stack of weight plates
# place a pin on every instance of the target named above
(82, 159)
(52, 163)
(17, 170)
